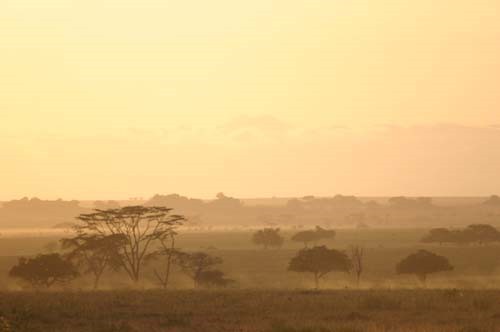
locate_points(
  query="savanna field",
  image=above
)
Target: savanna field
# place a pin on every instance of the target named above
(265, 296)
(253, 310)
(249, 166)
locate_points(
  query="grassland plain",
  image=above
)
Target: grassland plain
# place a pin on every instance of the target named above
(252, 311)
(266, 297)
(476, 267)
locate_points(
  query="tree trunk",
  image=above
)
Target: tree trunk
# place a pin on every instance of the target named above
(169, 263)
(135, 277)
(423, 279)
(316, 281)
(97, 278)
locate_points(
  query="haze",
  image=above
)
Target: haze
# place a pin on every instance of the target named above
(107, 99)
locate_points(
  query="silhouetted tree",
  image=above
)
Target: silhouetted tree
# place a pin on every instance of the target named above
(143, 227)
(180, 203)
(480, 233)
(227, 203)
(325, 234)
(438, 235)
(423, 263)
(213, 278)
(402, 202)
(313, 236)
(319, 261)
(95, 253)
(200, 267)
(268, 237)
(168, 255)
(305, 237)
(44, 270)
(493, 200)
(357, 260)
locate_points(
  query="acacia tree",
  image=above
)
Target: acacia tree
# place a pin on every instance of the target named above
(313, 236)
(94, 253)
(44, 270)
(268, 237)
(170, 255)
(481, 233)
(319, 261)
(325, 234)
(214, 278)
(141, 227)
(423, 263)
(200, 267)
(439, 235)
(357, 260)
(305, 237)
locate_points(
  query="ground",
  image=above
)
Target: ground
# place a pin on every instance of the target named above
(253, 311)
(266, 297)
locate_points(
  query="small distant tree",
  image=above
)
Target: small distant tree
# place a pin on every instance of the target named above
(44, 271)
(94, 253)
(201, 268)
(305, 237)
(141, 226)
(268, 238)
(214, 278)
(402, 202)
(438, 235)
(493, 200)
(325, 234)
(314, 236)
(357, 260)
(476, 233)
(423, 263)
(226, 203)
(319, 261)
(481, 233)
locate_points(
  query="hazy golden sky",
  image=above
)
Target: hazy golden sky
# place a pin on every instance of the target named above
(120, 98)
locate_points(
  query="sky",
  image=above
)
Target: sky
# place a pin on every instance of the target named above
(108, 99)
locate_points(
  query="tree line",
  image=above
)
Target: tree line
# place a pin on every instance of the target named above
(271, 237)
(129, 238)
(296, 213)
(125, 239)
(477, 233)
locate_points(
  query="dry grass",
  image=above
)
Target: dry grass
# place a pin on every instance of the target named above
(262, 300)
(250, 310)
